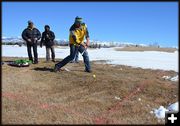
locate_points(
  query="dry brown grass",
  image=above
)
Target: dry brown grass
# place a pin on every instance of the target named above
(170, 50)
(35, 95)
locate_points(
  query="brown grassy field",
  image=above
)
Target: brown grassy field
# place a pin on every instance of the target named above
(170, 50)
(36, 95)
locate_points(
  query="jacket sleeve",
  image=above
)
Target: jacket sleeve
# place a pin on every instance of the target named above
(42, 39)
(38, 34)
(24, 36)
(72, 32)
(52, 36)
(87, 32)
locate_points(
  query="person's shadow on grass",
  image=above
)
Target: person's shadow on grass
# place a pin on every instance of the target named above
(44, 69)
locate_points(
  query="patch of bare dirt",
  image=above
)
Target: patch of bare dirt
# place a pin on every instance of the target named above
(170, 50)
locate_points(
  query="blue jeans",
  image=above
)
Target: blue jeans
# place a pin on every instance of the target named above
(73, 51)
(48, 53)
(76, 59)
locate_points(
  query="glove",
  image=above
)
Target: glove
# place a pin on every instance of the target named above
(29, 40)
(35, 39)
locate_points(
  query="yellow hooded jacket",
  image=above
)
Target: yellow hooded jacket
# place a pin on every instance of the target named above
(77, 35)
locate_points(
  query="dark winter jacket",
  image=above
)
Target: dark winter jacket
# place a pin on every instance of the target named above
(31, 34)
(47, 38)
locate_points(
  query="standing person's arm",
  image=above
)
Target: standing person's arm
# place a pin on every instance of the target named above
(52, 36)
(87, 38)
(38, 34)
(24, 36)
(42, 40)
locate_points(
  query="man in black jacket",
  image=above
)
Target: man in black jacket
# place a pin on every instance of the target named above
(31, 35)
(48, 40)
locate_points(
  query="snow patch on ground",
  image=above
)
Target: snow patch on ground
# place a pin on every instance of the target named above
(174, 107)
(166, 77)
(175, 78)
(160, 112)
(117, 98)
(146, 59)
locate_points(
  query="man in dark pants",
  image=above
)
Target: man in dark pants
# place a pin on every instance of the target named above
(48, 40)
(76, 38)
(31, 35)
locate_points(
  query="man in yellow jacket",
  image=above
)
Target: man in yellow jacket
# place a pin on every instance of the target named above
(76, 40)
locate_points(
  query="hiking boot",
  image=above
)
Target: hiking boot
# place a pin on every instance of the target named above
(54, 60)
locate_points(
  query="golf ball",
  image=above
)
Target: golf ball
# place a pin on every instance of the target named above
(94, 76)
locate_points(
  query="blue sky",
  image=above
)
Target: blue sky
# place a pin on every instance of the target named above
(137, 22)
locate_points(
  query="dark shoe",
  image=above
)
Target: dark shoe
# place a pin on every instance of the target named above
(71, 62)
(56, 69)
(53, 60)
(89, 71)
(35, 62)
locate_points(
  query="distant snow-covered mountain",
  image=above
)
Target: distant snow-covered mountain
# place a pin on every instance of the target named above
(12, 39)
(20, 40)
(65, 41)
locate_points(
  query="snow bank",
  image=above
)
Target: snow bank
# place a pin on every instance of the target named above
(174, 107)
(147, 59)
(175, 78)
(160, 112)
(166, 77)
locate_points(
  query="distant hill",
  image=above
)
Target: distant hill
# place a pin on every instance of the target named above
(93, 43)
(12, 40)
